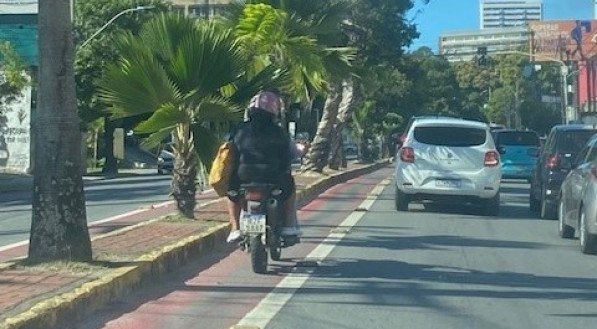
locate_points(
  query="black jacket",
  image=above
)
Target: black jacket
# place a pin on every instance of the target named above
(263, 153)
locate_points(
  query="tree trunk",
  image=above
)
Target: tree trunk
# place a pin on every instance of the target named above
(59, 219)
(317, 157)
(185, 171)
(344, 114)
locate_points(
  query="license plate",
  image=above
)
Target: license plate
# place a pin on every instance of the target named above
(252, 224)
(447, 183)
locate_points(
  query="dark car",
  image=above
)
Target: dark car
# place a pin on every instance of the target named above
(562, 146)
(578, 202)
(518, 152)
(166, 159)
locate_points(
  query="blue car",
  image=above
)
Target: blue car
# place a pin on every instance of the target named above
(519, 152)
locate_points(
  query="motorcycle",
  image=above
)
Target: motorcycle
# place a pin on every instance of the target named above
(260, 224)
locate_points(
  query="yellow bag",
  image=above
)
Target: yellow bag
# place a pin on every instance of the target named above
(221, 169)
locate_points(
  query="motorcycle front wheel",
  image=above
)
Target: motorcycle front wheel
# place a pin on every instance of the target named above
(258, 255)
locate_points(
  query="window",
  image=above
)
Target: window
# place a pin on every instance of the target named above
(572, 141)
(450, 136)
(592, 157)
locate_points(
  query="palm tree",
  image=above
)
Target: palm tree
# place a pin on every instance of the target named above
(190, 75)
(304, 38)
(59, 221)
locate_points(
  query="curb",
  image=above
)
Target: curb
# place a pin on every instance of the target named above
(91, 296)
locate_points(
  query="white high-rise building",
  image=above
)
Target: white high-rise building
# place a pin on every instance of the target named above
(464, 45)
(506, 13)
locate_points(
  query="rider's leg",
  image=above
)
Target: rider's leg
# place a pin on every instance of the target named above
(234, 208)
(291, 226)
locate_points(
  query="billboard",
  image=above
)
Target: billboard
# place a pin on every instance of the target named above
(15, 135)
(574, 40)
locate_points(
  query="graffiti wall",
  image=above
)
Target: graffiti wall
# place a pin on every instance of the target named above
(15, 135)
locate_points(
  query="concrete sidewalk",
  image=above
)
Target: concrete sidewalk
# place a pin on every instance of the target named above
(48, 296)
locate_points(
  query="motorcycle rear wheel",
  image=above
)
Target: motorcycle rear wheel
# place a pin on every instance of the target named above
(275, 247)
(258, 255)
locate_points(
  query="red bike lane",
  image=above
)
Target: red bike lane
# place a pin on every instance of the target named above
(220, 289)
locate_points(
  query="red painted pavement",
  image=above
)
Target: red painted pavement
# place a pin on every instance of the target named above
(217, 291)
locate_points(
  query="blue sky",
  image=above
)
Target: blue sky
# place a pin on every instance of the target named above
(452, 15)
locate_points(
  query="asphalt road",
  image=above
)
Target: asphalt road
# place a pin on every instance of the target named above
(105, 198)
(436, 266)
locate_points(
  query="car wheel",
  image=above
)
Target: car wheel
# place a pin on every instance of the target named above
(565, 231)
(533, 205)
(401, 200)
(588, 242)
(491, 207)
(533, 202)
(547, 212)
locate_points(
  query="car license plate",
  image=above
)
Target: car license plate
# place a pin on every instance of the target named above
(447, 183)
(252, 223)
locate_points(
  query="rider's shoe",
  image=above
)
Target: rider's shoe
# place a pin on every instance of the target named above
(234, 236)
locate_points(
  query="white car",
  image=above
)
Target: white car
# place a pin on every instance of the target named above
(448, 159)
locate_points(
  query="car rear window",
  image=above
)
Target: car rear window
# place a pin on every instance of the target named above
(572, 141)
(450, 136)
(518, 138)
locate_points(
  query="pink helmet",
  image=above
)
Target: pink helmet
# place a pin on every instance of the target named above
(266, 101)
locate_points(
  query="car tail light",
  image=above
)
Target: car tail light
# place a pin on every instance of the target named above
(492, 159)
(552, 161)
(407, 154)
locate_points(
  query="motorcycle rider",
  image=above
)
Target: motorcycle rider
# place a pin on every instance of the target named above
(264, 152)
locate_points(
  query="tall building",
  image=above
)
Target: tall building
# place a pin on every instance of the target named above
(504, 13)
(463, 45)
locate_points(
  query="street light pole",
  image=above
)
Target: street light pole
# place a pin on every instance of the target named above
(101, 29)
(563, 72)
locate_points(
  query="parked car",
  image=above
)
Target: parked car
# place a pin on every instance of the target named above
(562, 145)
(166, 159)
(448, 159)
(578, 202)
(518, 152)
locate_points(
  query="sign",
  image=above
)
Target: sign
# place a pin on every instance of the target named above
(15, 135)
(574, 40)
(118, 144)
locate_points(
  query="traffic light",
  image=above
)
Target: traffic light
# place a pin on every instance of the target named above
(482, 56)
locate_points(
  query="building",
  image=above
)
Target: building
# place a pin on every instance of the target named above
(504, 13)
(463, 45)
(201, 8)
(18, 25)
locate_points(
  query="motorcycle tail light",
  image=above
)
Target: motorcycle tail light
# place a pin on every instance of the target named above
(254, 195)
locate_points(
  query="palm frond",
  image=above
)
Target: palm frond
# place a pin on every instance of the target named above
(158, 137)
(217, 109)
(166, 116)
(164, 34)
(206, 144)
(136, 85)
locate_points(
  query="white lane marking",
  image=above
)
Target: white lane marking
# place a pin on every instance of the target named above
(107, 220)
(14, 245)
(262, 314)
